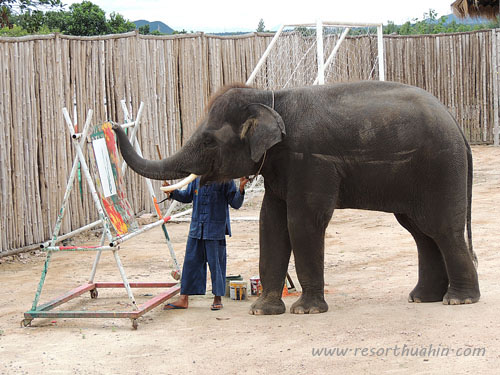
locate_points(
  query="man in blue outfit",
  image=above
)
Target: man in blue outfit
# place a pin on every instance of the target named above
(206, 242)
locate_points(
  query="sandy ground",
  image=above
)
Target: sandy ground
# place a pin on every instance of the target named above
(370, 266)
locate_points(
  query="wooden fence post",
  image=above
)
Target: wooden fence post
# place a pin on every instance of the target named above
(495, 76)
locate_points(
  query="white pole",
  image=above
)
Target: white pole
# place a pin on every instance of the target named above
(380, 47)
(335, 50)
(125, 280)
(320, 53)
(132, 137)
(71, 234)
(264, 56)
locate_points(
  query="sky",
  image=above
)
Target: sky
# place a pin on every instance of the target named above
(237, 15)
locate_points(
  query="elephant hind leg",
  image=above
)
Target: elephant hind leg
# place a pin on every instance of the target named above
(464, 285)
(433, 281)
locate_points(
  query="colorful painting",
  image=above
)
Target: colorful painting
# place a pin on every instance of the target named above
(109, 180)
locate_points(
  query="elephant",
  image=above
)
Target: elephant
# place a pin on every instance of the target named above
(369, 145)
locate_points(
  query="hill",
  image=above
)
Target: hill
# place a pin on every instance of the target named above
(466, 21)
(155, 25)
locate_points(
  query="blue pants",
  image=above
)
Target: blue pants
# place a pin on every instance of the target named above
(194, 270)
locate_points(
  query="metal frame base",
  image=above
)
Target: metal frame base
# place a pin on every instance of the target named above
(44, 311)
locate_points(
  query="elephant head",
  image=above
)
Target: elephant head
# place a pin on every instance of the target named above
(230, 142)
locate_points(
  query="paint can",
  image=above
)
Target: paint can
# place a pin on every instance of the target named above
(229, 279)
(238, 290)
(255, 286)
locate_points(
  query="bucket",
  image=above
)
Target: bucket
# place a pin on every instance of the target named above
(229, 279)
(238, 290)
(255, 286)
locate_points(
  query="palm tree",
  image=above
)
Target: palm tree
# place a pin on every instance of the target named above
(475, 8)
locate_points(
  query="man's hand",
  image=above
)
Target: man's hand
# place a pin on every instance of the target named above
(243, 182)
(165, 183)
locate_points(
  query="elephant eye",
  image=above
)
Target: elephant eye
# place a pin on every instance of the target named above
(209, 140)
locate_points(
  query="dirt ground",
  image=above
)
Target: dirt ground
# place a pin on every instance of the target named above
(370, 267)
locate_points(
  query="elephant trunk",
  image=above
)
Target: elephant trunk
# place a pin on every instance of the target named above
(170, 168)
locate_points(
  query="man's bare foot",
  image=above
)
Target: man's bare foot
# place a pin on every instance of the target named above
(181, 303)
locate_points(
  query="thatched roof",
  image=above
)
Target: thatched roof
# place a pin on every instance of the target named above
(475, 8)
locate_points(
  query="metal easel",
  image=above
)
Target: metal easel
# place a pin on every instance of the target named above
(127, 229)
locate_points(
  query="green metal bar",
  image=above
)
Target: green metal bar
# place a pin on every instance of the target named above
(42, 281)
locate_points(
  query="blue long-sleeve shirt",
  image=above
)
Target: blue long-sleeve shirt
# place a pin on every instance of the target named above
(210, 218)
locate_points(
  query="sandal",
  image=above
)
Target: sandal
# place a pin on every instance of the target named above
(171, 306)
(216, 306)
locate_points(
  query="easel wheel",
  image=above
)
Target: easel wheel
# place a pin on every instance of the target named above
(135, 324)
(94, 293)
(26, 323)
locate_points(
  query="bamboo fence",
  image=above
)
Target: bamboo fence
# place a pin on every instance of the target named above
(174, 76)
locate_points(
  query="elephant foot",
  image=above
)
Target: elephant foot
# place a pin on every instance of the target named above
(454, 297)
(309, 305)
(422, 294)
(267, 306)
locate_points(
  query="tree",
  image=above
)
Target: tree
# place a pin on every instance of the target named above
(431, 25)
(58, 21)
(117, 24)
(305, 32)
(261, 27)
(390, 28)
(9, 8)
(86, 19)
(144, 29)
(30, 20)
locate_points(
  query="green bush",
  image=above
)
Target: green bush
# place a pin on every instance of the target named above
(14, 31)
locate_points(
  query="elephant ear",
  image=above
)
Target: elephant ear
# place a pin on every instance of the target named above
(263, 129)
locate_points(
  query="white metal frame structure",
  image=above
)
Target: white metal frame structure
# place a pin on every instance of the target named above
(322, 64)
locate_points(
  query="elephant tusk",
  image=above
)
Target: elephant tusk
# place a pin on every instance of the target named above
(180, 184)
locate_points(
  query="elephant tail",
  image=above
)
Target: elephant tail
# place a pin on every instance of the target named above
(469, 205)
(470, 175)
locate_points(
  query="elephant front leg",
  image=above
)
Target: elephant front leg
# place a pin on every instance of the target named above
(274, 256)
(308, 251)
(307, 233)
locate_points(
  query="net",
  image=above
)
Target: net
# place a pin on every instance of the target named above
(350, 54)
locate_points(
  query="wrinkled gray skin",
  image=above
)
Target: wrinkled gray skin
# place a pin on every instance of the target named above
(369, 145)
